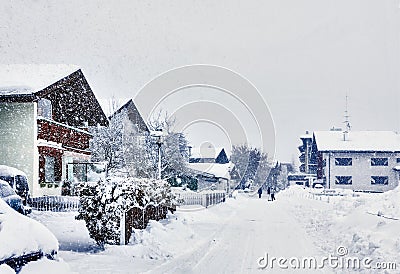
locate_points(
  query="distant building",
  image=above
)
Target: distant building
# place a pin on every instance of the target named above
(308, 161)
(357, 160)
(45, 112)
(208, 154)
(131, 112)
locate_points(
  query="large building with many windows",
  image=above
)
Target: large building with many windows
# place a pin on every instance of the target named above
(358, 160)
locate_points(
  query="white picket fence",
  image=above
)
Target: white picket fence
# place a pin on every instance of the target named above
(55, 203)
(205, 198)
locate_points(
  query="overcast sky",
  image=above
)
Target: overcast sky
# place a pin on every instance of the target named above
(303, 56)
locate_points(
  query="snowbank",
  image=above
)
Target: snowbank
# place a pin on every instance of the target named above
(48, 266)
(366, 224)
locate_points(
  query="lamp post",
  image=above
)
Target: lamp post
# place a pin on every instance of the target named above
(159, 135)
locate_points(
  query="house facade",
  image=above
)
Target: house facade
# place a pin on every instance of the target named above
(358, 160)
(44, 123)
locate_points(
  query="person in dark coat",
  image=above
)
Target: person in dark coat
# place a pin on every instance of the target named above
(269, 193)
(259, 192)
(272, 195)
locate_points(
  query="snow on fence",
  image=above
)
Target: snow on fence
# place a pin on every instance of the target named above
(138, 218)
(56, 203)
(201, 198)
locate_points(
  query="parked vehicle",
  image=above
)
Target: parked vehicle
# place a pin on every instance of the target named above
(23, 239)
(17, 180)
(12, 199)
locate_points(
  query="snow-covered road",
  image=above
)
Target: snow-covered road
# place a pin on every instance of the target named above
(254, 227)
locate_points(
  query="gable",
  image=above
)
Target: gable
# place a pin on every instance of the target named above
(133, 115)
(73, 101)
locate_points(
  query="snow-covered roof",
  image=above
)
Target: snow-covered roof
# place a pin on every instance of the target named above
(11, 171)
(366, 141)
(205, 152)
(218, 170)
(29, 78)
(306, 136)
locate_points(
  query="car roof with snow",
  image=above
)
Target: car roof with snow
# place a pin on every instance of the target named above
(21, 235)
(10, 171)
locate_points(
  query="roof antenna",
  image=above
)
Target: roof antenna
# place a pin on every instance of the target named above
(346, 121)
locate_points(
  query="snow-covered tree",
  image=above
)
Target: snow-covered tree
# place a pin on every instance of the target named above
(251, 164)
(174, 153)
(107, 143)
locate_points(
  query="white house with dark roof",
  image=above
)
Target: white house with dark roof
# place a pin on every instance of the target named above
(45, 111)
(357, 160)
(208, 154)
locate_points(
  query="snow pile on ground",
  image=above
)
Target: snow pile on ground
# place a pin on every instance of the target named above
(48, 266)
(366, 224)
(21, 235)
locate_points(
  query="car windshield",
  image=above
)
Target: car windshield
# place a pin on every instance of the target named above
(6, 190)
(8, 179)
(21, 183)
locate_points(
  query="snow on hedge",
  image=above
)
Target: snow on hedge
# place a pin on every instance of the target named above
(103, 203)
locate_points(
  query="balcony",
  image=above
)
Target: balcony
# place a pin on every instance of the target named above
(69, 137)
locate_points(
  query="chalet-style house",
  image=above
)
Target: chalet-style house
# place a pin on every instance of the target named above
(208, 154)
(211, 167)
(130, 112)
(212, 175)
(307, 163)
(45, 112)
(357, 160)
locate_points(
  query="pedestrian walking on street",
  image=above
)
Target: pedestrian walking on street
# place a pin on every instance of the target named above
(272, 195)
(259, 192)
(269, 193)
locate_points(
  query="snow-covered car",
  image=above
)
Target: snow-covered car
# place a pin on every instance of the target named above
(23, 239)
(318, 189)
(12, 199)
(17, 180)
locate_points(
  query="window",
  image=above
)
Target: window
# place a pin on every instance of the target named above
(343, 161)
(398, 160)
(344, 180)
(379, 161)
(49, 169)
(44, 108)
(379, 180)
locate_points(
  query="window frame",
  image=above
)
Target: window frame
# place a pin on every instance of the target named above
(384, 178)
(377, 161)
(341, 161)
(340, 178)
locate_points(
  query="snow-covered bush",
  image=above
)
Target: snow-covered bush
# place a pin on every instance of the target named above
(103, 203)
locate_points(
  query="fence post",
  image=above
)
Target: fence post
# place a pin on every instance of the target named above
(122, 229)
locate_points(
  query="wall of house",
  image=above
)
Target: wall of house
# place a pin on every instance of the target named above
(17, 137)
(361, 171)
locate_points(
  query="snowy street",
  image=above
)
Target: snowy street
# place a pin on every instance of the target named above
(254, 227)
(231, 237)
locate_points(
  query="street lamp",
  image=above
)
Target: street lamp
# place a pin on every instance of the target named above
(159, 135)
